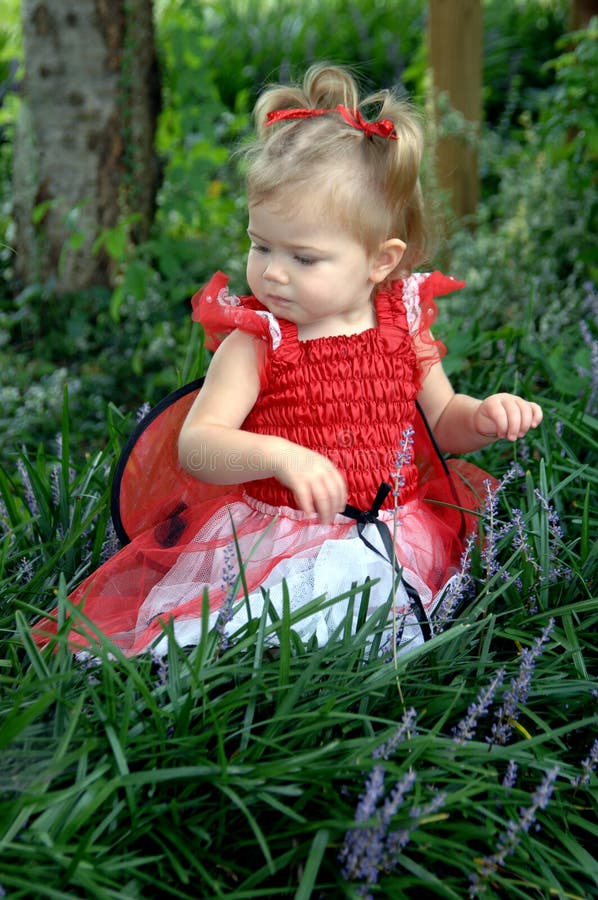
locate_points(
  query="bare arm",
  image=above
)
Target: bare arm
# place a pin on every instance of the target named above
(214, 448)
(461, 423)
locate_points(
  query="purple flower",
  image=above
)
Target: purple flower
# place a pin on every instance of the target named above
(398, 840)
(492, 530)
(588, 765)
(142, 411)
(161, 664)
(510, 776)
(403, 458)
(466, 728)
(363, 847)
(404, 729)
(229, 580)
(511, 836)
(111, 543)
(396, 796)
(368, 848)
(457, 587)
(4, 517)
(28, 492)
(555, 538)
(25, 571)
(517, 692)
(489, 550)
(520, 539)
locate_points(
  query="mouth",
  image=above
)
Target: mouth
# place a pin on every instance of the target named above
(275, 298)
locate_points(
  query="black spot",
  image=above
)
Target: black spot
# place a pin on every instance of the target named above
(168, 532)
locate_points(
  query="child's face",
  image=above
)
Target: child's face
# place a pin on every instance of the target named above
(309, 270)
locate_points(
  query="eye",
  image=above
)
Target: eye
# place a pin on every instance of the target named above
(259, 248)
(306, 260)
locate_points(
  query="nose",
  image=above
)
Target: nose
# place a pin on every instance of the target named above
(274, 271)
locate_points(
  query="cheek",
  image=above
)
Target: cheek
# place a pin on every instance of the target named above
(252, 270)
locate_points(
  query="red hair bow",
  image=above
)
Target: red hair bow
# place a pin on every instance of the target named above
(382, 128)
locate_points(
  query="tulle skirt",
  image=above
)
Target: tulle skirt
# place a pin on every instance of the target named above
(237, 554)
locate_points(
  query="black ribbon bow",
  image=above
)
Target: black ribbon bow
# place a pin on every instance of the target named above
(370, 517)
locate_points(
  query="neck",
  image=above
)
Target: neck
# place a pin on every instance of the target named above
(334, 328)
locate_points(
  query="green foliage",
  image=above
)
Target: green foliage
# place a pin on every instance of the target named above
(252, 42)
(237, 772)
(200, 218)
(568, 114)
(519, 37)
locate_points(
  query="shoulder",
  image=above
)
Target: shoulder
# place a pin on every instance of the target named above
(237, 342)
(236, 364)
(220, 312)
(417, 293)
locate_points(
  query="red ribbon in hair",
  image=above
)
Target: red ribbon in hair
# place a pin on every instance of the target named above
(382, 128)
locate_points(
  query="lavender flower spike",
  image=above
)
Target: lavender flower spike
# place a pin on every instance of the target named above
(403, 458)
(404, 729)
(363, 847)
(369, 849)
(491, 531)
(457, 587)
(510, 776)
(518, 691)
(588, 765)
(511, 836)
(466, 728)
(228, 584)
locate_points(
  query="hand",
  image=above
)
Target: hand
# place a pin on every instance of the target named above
(316, 483)
(506, 416)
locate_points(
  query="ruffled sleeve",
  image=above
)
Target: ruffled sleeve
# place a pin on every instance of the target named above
(221, 312)
(418, 294)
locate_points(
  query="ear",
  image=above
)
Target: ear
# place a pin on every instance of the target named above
(386, 259)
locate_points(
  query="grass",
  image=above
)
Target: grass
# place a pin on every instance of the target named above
(310, 772)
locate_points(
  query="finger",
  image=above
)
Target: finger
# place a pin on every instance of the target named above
(303, 496)
(525, 420)
(514, 422)
(339, 492)
(497, 414)
(531, 416)
(537, 415)
(333, 496)
(324, 505)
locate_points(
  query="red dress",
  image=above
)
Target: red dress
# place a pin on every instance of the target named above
(352, 398)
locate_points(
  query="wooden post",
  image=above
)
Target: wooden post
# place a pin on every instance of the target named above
(455, 38)
(580, 13)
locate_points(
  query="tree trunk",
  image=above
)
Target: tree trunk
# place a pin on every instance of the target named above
(84, 148)
(455, 52)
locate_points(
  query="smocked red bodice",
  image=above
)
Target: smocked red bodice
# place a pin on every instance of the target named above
(350, 397)
(346, 397)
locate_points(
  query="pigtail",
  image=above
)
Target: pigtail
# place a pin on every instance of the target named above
(328, 86)
(277, 96)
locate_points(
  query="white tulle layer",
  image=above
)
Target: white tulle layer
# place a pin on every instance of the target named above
(327, 568)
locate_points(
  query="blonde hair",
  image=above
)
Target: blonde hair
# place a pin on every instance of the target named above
(371, 184)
